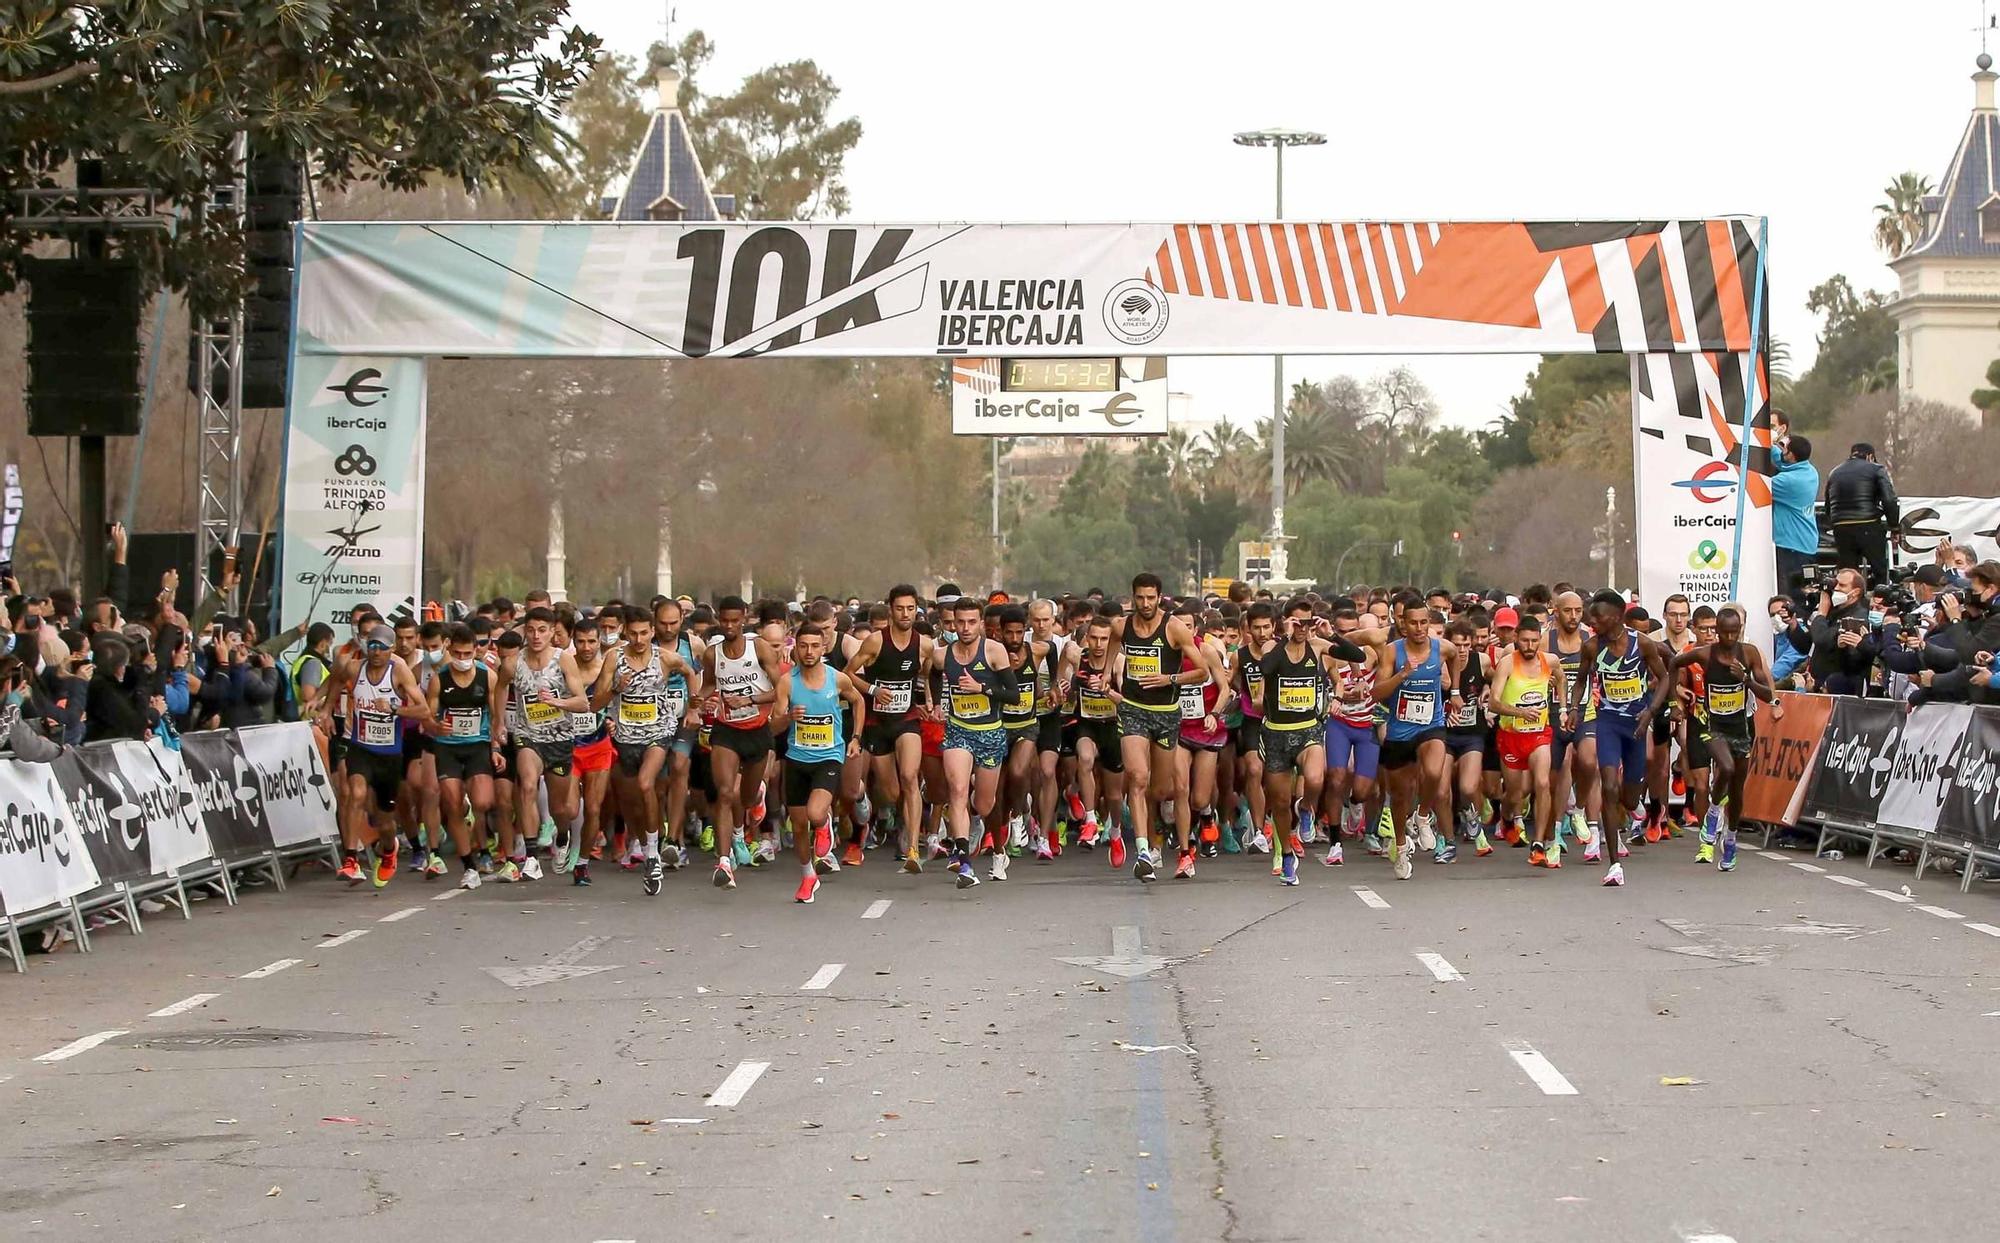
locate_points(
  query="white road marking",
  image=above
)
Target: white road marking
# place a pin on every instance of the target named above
(733, 1088)
(876, 909)
(1443, 970)
(83, 1044)
(1369, 897)
(681, 1121)
(1940, 912)
(270, 968)
(1848, 881)
(1540, 1069)
(1892, 895)
(342, 939)
(1706, 1237)
(448, 895)
(823, 977)
(183, 1006)
(393, 916)
(1988, 929)
(1773, 854)
(1807, 867)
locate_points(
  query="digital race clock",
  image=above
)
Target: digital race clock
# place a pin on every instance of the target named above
(1059, 375)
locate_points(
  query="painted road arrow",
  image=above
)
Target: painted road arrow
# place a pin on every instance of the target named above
(561, 966)
(1125, 961)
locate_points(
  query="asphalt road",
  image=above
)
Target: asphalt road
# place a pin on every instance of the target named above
(1766, 1055)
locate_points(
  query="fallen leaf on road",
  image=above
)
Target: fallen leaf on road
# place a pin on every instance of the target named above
(339, 1118)
(970, 1161)
(858, 1156)
(893, 1117)
(232, 1121)
(638, 1122)
(275, 1191)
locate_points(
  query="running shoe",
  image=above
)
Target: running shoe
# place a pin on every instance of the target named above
(1184, 866)
(1426, 832)
(1616, 876)
(1076, 811)
(671, 857)
(706, 842)
(739, 852)
(1538, 855)
(1260, 842)
(725, 873)
(1117, 851)
(350, 870)
(546, 837)
(1581, 829)
(434, 866)
(633, 859)
(580, 875)
(997, 869)
(1288, 873)
(1334, 857)
(966, 879)
(531, 868)
(483, 861)
(652, 882)
(571, 856)
(1711, 824)
(1086, 837)
(852, 856)
(1017, 834)
(1375, 845)
(825, 864)
(507, 873)
(1444, 852)
(767, 851)
(1350, 820)
(385, 868)
(913, 864)
(1555, 856)
(934, 844)
(1646, 826)
(1592, 851)
(1727, 862)
(822, 839)
(864, 808)
(1385, 823)
(807, 888)
(1231, 845)
(470, 880)
(1622, 850)
(1517, 832)
(1278, 860)
(1705, 853)
(1482, 845)
(1044, 853)
(756, 812)
(1145, 869)
(1404, 865)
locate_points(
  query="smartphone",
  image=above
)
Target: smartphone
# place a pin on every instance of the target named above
(1853, 625)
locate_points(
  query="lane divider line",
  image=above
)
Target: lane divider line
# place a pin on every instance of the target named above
(448, 895)
(82, 1044)
(1780, 856)
(1443, 970)
(1988, 929)
(1369, 897)
(876, 909)
(393, 916)
(1939, 911)
(342, 939)
(823, 977)
(183, 1006)
(1808, 867)
(1540, 1069)
(1892, 895)
(732, 1091)
(270, 968)
(1849, 881)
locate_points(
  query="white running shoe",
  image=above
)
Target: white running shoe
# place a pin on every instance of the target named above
(767, 849)
(1260, 843)
(826, 864)
(1427, 838)
(1403, 861)
(1017, 833)
(1616, 876)
(1334, 857)
(470, 880)
(547, 837)
(532, 869)
(997, 870)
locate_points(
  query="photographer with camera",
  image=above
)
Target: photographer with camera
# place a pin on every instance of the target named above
(1957, 656)
(1844, 644)
(239, 684)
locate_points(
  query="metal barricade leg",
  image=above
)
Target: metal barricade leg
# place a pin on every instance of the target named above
(76, 923)
(14, 950)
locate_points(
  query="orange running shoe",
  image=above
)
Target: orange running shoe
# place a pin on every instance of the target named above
(851, 857)
(385, 868)
(1117, 851)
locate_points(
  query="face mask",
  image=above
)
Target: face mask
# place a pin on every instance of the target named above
(13, 699)
(1841, 599)
(433, 658)
(463, 666)
(1874, 617)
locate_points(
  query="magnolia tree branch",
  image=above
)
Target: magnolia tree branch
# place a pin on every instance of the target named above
(50, 81)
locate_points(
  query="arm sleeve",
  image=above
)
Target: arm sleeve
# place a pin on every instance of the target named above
(1891, 507)
(1005, 681)
(1345, 649)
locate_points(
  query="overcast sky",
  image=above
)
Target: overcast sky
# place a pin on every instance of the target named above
(1550, 109)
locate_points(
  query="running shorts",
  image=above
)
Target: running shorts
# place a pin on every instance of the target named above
(1353, 747)
(750, 745)
(1282, 748)
(1463, 742)
(383, 773)
(632, 755)
(1402, 752)
(1515, 746)
(595, 757)
(1621, 746)
(1162, 729)
(685, 738)
(988, 746)
(557, 757)
(1490, 761)
(879, 736)
(932, 733)
(1103, 734)
(1049, 736)
(416, 744)
(463, 761)
(1740, 743)
(802, 778)
(1250, 736)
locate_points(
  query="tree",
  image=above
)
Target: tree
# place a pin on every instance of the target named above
(395, 91)
(1154, 513)
(608, 117)
(1857, 351)
(1899, 220)
(1555, 388)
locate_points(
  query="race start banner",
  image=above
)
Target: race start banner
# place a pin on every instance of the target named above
(354, 488)
(1687, 424)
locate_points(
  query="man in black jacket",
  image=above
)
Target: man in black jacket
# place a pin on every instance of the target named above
(1843, 646)
(115, 706)
(1974, 641)
(1861, 507)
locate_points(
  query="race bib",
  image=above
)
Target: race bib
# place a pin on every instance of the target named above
(463, 722)
(647, 713)
(1536, 702)
(969, 704)
(1301, 695)
(1728, 702)
(1024, 703)
(1464, 717)
(1097, 707)
(539, 713)
(375, 729)
(585, 723)
(1416, 707)
(814, 733)
(745, 713)
(1142, 664)
(1624, 690)
(1255, 681)
(898, 700)
(1193, 703)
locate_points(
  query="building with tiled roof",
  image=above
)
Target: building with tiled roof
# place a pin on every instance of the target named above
(666, 181)
(1947, 306)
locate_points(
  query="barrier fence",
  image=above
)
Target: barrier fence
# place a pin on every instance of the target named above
(1874, 769)
(105, 825)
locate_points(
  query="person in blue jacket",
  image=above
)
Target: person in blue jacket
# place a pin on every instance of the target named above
(1794, 528)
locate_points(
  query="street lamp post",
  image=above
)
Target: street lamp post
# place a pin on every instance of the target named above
(1279, 139)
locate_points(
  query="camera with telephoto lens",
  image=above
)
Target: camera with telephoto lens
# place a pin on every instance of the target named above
(1897, 600)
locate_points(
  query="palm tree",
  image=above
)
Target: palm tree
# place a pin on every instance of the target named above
(1899, 222)
(1228, 456)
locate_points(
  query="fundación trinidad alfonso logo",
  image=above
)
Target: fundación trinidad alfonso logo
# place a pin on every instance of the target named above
(1135, 312)
(1708, 555)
